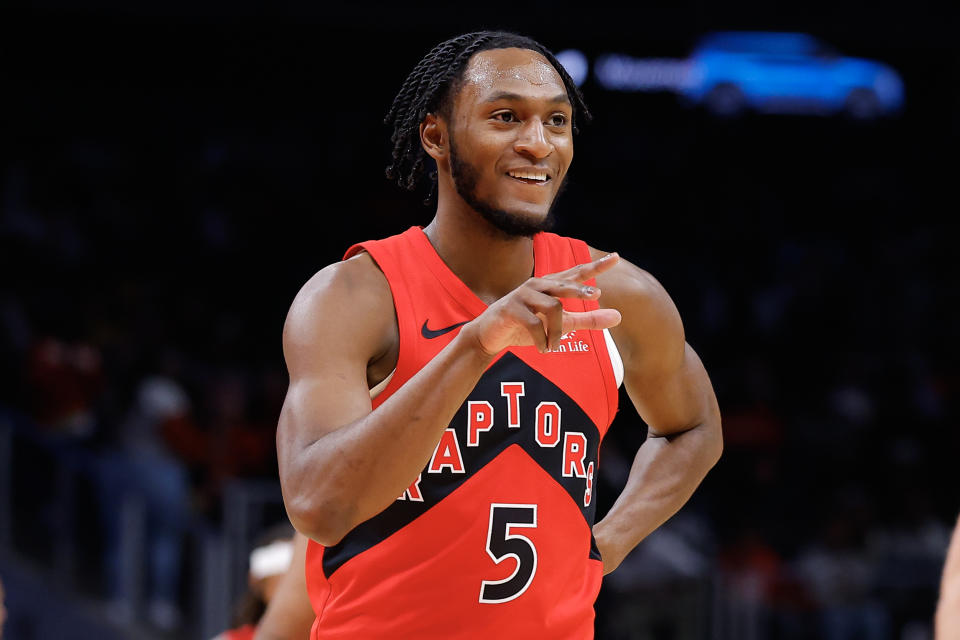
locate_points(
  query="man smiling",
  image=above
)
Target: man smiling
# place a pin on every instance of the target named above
(450, 386)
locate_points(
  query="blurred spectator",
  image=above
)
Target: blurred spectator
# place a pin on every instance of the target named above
(243, 444)
(839, 576)
(660, 580)
(269, 562)
(907, 553)
(757, 584)
(150, 476)
(753, 566)
(680, 549)
(65, 379)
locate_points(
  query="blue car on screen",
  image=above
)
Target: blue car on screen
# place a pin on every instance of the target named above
(729, 72)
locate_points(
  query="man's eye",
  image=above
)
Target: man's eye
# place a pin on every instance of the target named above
(558, 120)
(505, 116)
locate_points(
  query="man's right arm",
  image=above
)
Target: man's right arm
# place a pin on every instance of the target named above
(342, 463)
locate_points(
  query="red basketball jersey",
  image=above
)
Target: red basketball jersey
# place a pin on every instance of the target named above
(493, 538)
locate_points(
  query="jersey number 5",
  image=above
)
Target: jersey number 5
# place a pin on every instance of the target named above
(502, 543)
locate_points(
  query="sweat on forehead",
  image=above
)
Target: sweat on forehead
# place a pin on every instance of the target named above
(493, 65)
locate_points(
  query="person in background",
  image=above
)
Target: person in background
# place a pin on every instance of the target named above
(151, 471)
(948, 609)
(270, 561)
(289, 614)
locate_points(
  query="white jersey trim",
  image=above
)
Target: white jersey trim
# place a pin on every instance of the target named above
(615, 360)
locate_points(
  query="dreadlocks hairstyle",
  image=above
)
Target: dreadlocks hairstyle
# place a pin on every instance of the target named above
(431, 87)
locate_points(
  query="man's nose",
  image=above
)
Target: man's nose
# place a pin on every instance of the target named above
(532, 140)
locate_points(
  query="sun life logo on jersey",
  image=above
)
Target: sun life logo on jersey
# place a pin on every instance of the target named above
(570, 343)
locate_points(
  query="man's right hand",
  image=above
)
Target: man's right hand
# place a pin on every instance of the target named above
(532, 314)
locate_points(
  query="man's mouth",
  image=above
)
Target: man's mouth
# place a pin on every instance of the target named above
(529, 176)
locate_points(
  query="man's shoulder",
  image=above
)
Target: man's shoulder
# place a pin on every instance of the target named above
(352, 292)
(396, 242)
(355, 277)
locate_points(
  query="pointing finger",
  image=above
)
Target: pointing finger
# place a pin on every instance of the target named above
(595, 320)
(588, 270)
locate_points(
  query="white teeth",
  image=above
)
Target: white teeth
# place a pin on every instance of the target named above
(529, 175)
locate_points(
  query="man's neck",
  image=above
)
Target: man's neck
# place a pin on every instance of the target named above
(485, 259)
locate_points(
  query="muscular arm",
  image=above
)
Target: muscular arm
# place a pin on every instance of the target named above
(339, 463)
(289, 614)
(948, 609)
(342, 463)
(670, 389)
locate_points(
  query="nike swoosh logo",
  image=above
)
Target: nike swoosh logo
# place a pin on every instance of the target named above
(436, 333)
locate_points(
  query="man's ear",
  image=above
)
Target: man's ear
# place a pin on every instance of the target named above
(434, 137)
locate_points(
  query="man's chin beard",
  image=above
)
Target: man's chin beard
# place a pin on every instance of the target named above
(511, 225)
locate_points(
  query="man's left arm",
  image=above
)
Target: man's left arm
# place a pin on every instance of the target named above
(669, 387)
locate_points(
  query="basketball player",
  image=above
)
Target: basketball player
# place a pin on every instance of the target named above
(459, 502)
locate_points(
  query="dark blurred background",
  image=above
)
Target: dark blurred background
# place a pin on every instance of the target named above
(172, 173)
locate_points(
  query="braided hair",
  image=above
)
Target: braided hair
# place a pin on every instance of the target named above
(431, 88)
